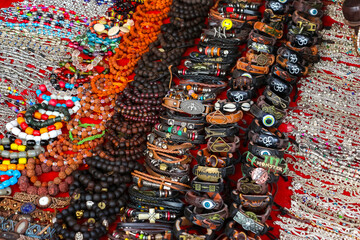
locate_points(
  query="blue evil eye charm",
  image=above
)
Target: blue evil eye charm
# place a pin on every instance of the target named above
(208, 204)
(282, 1)
(264, 153)
(313, 12)
(268, 120)
(27, 208)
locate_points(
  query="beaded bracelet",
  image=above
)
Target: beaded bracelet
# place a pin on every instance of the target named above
(9, 178)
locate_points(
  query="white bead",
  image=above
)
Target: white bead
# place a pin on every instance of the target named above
(78, 104)
(9, 127)
(71, 111)
(15, 131)
(67, 98)
(37, 139)
(59, 132)
(29, 137)
(42, 111)
(23, 135)
(46, 102)
(48, 113)
(14, 123)
(53, 134)
(53, 96)
(45, 136)
(56, 114)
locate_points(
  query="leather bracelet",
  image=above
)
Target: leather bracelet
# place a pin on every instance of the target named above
(168, 159)
(208, 201)
(229, 144)
(182, 138)
(260, 59)
(292, 68)
(271, 164)
(169, 148)
(239, 37)
(246, 185)
(207, 187)
(281, 73)
(234, 234)
(310, 8)
(308, 53)
(271, 97)
(248, 67)
(204, 158)
(212, 220)
(303, 40)
(218, 117)
(266, 138)
(259, 151)
(188, 122)
(260, 47)
(253, 203)
(144, 226)
(263, 27)
(216, 20)
(212, 174)
(143, 179)
(248, 222)
(237, 82)
(215, 85)
(168, 200)
(267, 119)
(225, 106)
(275, 11)
(193, 107)
(256, 36)
(292, 56)
(227, 130)
(279, 114)
(152, 215)
(310, 23)
(240, 95)
(279, 87)
(177, 173)
(182, 234)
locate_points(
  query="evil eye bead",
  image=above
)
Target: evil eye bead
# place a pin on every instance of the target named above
(264, 153)
(208, 204)
(268, 120)
(313, 12)
(282, 1)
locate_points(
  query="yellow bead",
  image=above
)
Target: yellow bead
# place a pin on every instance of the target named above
(6, 162)
(22, 160)
(14, 146)
(1, 148)
(21, 148)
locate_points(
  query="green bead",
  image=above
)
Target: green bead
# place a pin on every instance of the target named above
(179, 133)
(72, 69)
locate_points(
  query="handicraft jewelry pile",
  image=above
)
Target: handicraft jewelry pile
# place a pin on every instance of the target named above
(161, 119)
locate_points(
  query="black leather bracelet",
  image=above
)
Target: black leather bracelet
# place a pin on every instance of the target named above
(259, 151)
(226, 130)
(201, 186)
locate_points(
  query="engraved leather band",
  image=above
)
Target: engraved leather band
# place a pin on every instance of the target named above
(308, 53)
(240, 96)
(309, 22)
(257, 80)
(168, 159)
(212, 174)
(229, 144)
(200, 139)
(260, 47)
(263, 27)
(292, 56)
(278, 71)
(253, 203)
(227, 130)
(279, 87)
(201, 186)
(293, 68)
(248, 223)
(218, 117)
(194, 107)
(246, 185)
(275, 99)
(256, 36)
(261, 59)
(248, 67)
(269, 163)
(188, 122)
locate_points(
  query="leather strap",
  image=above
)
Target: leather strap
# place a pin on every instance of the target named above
(263, 27)
(183, 234)
(184, 121)
(310, 23)
(247, 186)
(260, 59)
(212, 174)
(207, 201)
(227, 130)
(218, 117)
(207, 187)
(213, 220)
(256, 36)
(292, 68)
(275, 100)
(279, 87)
(193, 107)
(229, 144)
(259, 151)
(240, 96)
(253, 203)
(248, 67)
(234, 234)
(272, 164)
(260, 47)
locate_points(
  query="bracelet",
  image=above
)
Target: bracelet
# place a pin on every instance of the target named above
(212, 174)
